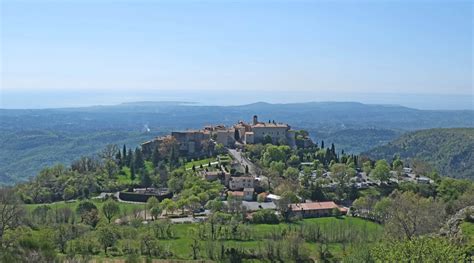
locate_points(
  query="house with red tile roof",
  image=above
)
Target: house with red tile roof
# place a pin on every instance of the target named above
(315, 209)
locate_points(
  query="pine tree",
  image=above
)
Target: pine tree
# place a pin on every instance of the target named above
(145, 179)
(129, 158)
(155, 157)
(119, 159)
(132, 173)
(124, 152)
(139, 163)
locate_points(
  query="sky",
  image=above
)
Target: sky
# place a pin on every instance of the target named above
(78, 53)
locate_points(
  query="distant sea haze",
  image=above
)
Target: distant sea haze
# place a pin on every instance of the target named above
(60, 99)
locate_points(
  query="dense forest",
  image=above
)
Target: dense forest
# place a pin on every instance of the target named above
(449, 151)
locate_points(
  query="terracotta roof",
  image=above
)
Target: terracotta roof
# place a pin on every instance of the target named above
(236, 193)
(313, 206)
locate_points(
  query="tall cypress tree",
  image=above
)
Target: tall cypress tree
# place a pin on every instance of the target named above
(124, 152)
(155, 157)
(145, 179)
(132, 173)
(139, 163)
(119, 159)
(129, 158)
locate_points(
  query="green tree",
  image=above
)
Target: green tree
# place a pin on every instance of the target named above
(154, 206)
(381, 171)
(133, 176)
(450, 189)
(265, 216)
(176, 181)
(291, 173)
(194, 203)
(155, 157)
(69, 192)
(11, 211)
(294, 161)
(107, 236)
(341, 173)
(130, 158)
(110, 168)
(181, 204)
(85, 207)
(423, 249)
(367, 167)
(165, 204)
(408, 215)
(91, 217)
(124, 154)
(277, 167)
(397, 165)
(275, 153)
(138, 161)
(145, 179)
(110, 209)
(283, 204)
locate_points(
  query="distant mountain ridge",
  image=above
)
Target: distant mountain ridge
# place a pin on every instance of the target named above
(450, 151)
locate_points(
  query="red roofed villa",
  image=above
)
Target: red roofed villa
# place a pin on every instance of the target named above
(315, 209)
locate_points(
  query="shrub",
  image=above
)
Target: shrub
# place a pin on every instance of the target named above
(265, 216)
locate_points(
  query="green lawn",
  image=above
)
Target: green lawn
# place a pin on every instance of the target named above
(198, 163)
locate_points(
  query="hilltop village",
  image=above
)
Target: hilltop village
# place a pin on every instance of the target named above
(220, 192)
(244, 180)
(196, 143)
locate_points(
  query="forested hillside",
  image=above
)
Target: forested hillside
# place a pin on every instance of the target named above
(449, 151)
(32, 139)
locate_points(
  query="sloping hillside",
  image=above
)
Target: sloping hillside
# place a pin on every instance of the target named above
(450, 151)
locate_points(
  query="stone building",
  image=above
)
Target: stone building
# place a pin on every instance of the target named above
(191, 143)
(257, 132)
(239, 183)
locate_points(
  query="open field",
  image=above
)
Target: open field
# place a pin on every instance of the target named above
(343, 234)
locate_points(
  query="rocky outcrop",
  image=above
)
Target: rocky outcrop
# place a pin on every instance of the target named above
(452, 227)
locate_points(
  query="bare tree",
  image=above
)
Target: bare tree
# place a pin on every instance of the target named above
(85, 164)
(109, 152)
(11, 211)
(409, 215)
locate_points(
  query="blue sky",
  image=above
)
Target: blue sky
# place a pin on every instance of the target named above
(376, 52)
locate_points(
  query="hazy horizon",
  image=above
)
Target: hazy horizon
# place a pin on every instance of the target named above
(79, 53)
(68, 99)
